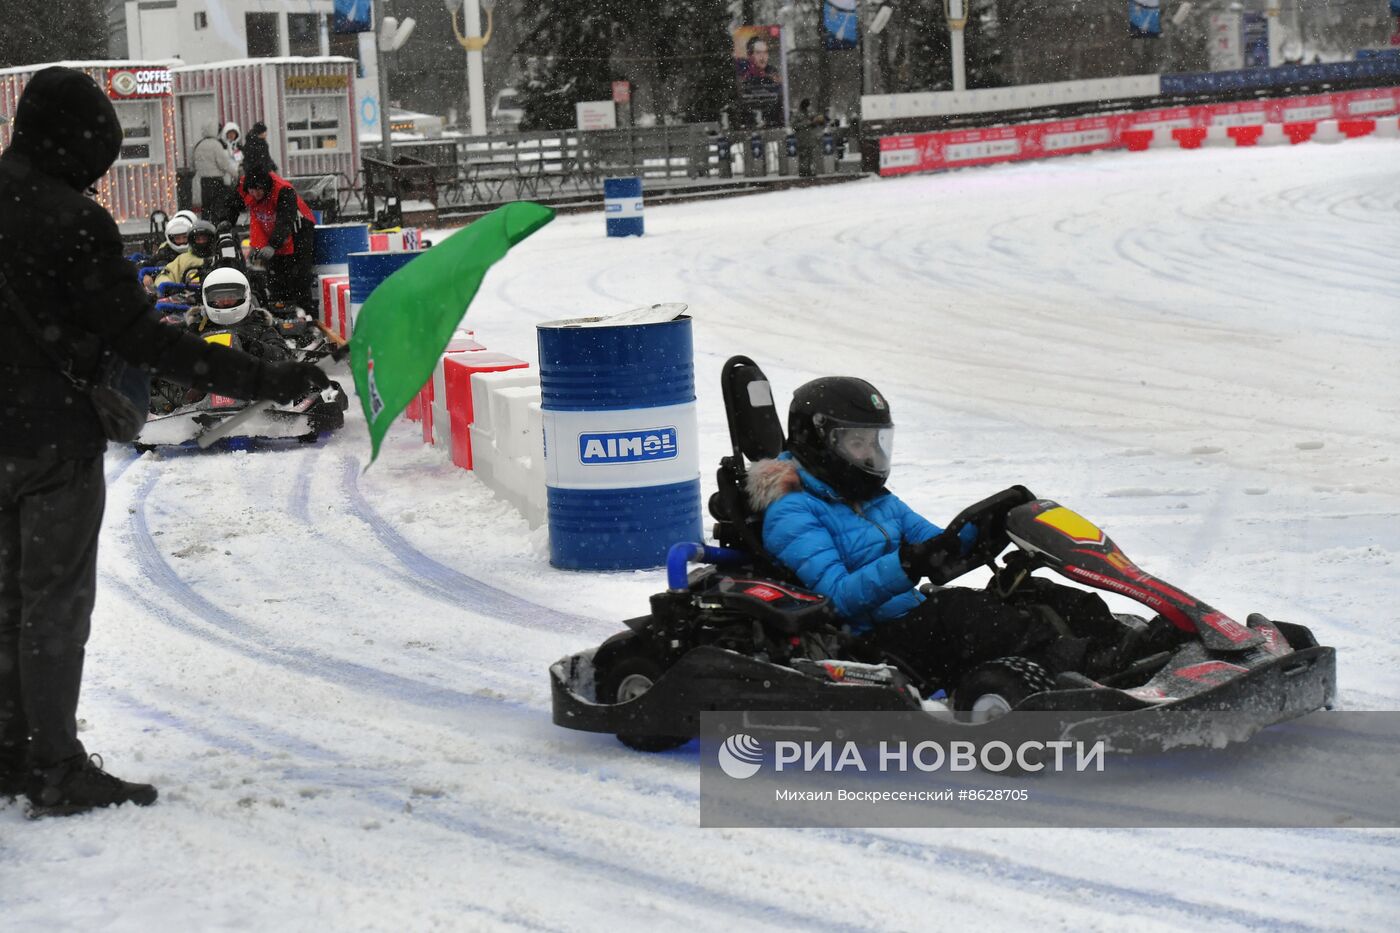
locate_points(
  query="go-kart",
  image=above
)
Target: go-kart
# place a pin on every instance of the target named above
(179, 415)
(741, 634)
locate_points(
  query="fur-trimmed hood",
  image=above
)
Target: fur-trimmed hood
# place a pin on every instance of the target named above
(770, 480)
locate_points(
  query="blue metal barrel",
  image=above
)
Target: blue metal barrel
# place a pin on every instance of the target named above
(622, 206)
(622, 465)
(334, 244)
(367, 270)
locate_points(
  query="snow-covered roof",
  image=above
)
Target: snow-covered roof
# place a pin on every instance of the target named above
(104, 63)
(281, 60)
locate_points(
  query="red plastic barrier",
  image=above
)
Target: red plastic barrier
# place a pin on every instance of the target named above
(328, 310)
(459, 345)
(1245, 135)
(1300, 132)
(457, 380)
(1137, 140)
(1352, 129)
(1189, 137)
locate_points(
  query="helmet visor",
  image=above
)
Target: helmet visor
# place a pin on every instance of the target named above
(179, 239)
(224, 297)
(867, 447)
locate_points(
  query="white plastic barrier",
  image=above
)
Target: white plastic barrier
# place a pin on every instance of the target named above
(1219, 135)
(507, 439)
(1327, 132)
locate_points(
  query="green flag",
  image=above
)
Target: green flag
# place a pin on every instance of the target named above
(407, 321)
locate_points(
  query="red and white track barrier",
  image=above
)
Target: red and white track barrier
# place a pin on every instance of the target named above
(1319, 118)
(335, 305)
(483, 407)
(395, 241)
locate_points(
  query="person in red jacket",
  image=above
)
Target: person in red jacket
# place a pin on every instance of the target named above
(282, 234)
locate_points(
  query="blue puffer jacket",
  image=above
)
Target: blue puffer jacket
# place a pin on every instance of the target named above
(847, 553)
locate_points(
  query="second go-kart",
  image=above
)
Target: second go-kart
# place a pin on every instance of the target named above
(228, 316)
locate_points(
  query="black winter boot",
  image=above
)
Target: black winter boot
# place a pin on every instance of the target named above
(78, 785)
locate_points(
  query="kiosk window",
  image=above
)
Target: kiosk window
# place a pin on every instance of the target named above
(314, 123)
(304, 34)
(141, 138)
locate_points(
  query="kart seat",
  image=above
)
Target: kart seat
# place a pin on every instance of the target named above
(756, 433)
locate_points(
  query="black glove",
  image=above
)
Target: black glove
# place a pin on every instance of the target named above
(927, 558)
(289, 381)
(264, 253)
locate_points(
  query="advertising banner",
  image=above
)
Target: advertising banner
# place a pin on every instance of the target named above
(138, 83)
(353, 16)
(760, 69)
(1144, 19)
(840, 25)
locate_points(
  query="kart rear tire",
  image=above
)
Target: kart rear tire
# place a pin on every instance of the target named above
(995, 688)
(626, 679)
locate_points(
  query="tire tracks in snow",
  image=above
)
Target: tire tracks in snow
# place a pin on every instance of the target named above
(517, 836)
(237, 635)
(455, 585)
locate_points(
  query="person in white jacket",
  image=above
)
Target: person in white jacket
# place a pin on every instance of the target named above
(214, 170)
(232, 138)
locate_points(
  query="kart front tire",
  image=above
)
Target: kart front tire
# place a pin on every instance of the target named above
(626, 679)
(995, 688)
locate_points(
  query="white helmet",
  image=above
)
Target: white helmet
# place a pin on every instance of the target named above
(177, 231)
(227, 298)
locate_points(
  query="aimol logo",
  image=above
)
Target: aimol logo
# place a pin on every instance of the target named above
(628, 446)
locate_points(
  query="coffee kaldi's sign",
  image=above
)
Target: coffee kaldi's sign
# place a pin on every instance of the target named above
(134, 83)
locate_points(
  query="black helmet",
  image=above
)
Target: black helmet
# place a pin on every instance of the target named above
(203, 239)
(839, 428)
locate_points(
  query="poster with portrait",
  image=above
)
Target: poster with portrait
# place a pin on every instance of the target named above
(760, 68)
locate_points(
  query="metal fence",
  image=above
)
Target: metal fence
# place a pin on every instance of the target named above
(485, 170)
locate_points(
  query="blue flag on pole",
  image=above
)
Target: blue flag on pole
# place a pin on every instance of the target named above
(840, 25)
(353, 16)
(1144, 19)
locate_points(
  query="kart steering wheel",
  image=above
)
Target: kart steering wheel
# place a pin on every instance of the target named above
(989, 516)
